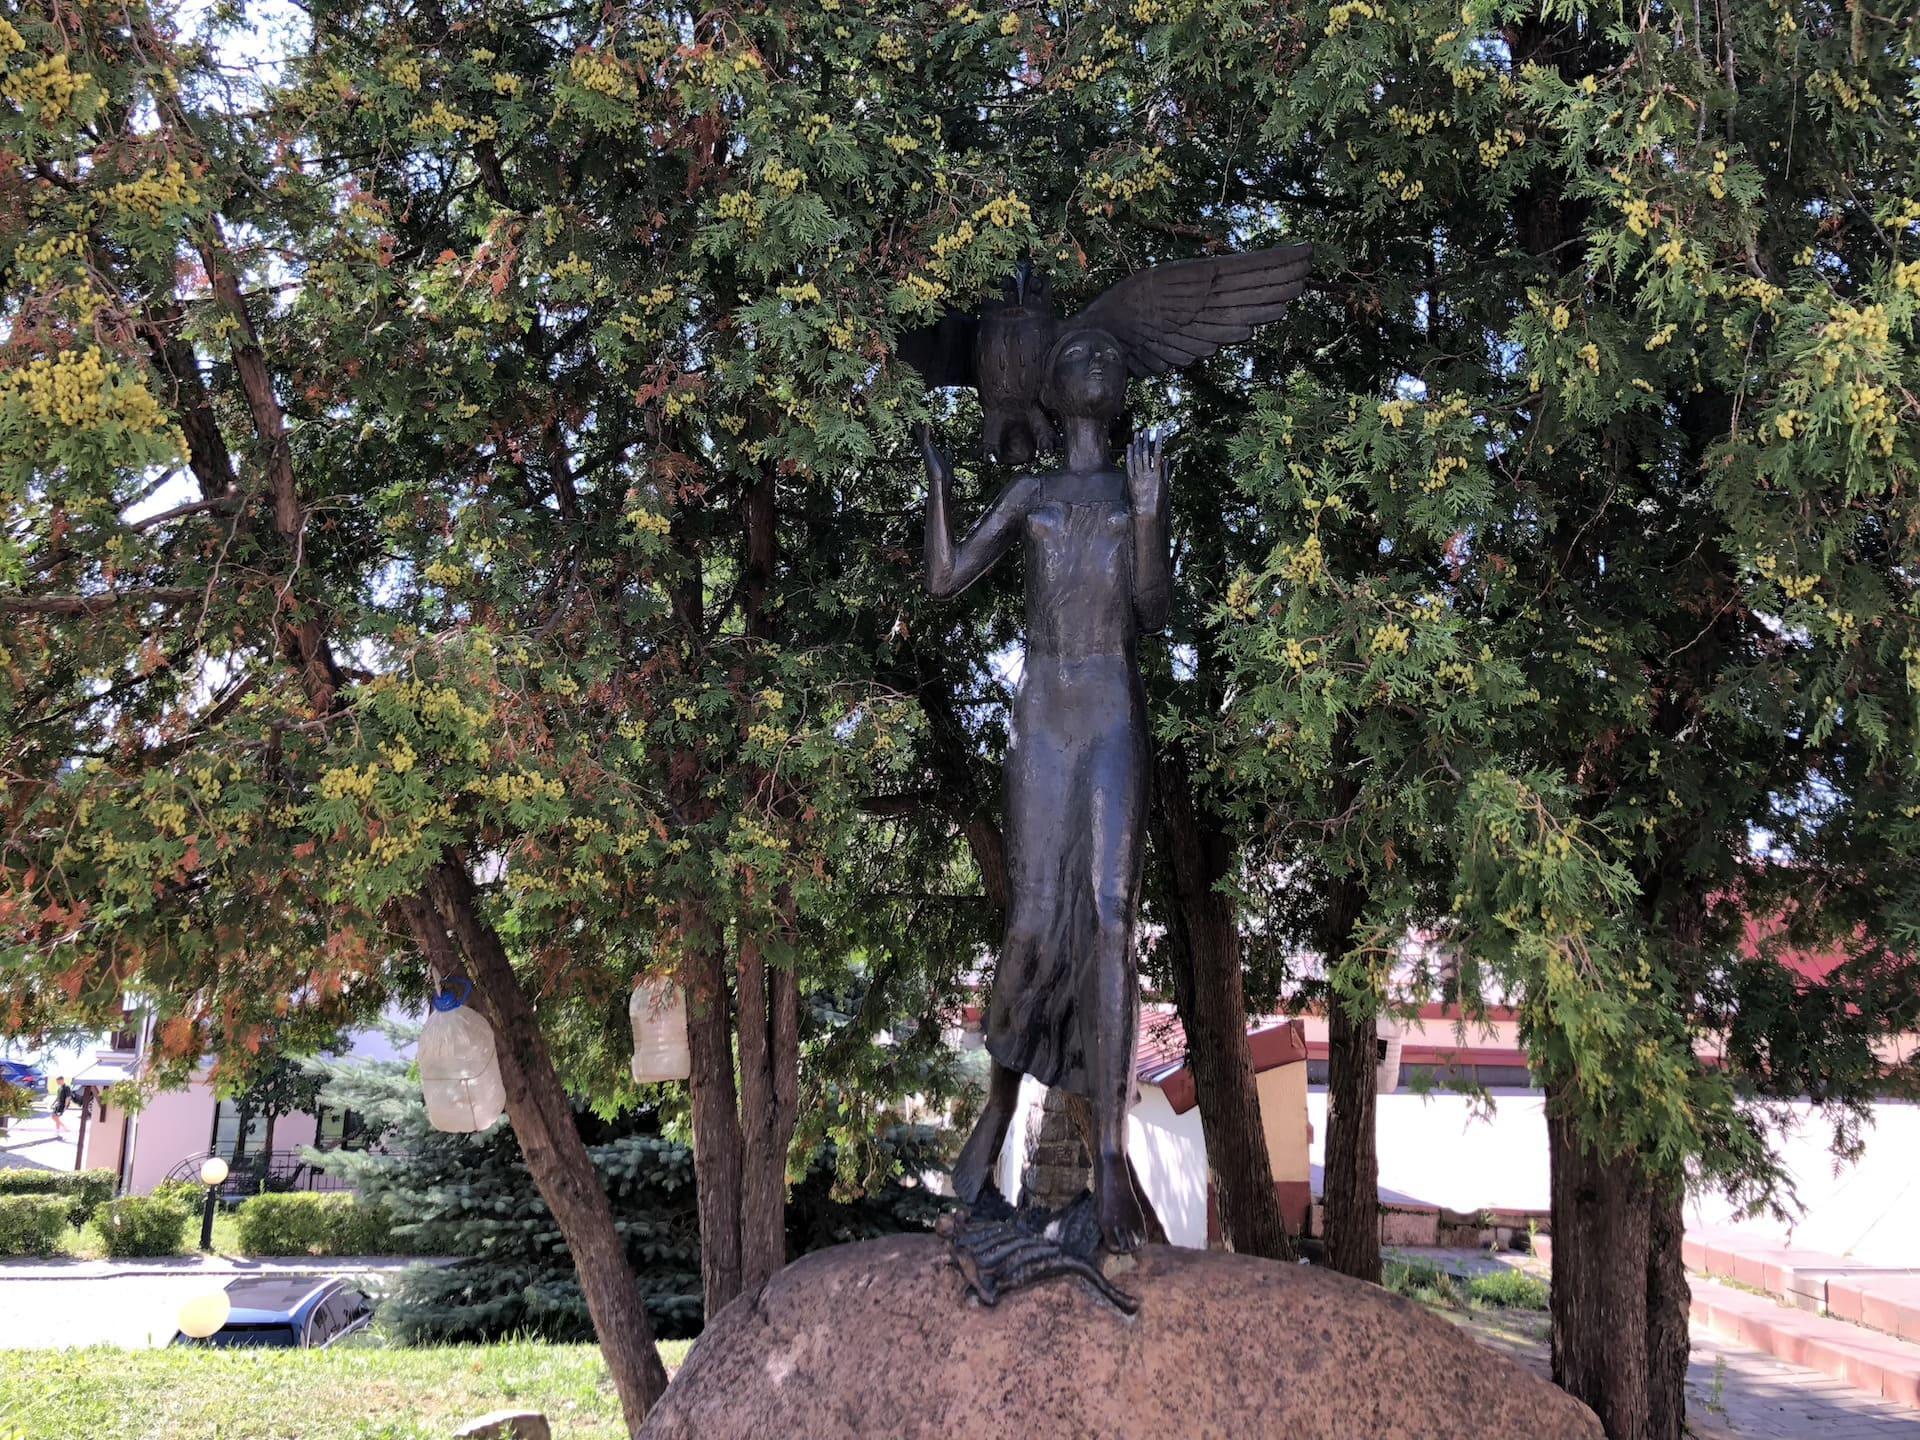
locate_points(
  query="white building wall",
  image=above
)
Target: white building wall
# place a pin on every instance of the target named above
(1013, 1154)
(1169, 1153)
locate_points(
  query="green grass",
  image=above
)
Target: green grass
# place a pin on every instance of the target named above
(353, 1393)
(1430, 1285)
(1509, 1290)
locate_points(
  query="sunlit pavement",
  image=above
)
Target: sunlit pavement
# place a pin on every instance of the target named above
(31, 1142)
(133, 1303)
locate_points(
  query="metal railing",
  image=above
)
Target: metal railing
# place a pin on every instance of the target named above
(265, 1172)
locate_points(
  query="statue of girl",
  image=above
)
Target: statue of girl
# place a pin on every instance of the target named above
(1093, 541)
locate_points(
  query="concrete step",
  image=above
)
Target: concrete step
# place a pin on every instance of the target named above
(1887, 1302)
(1884, 1298)
(1865, 1359)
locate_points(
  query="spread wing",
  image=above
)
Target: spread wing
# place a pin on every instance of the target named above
(943, 351)
(1173, 314)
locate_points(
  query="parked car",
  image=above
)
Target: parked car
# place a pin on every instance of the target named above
(293, 1312)
(30, 1078)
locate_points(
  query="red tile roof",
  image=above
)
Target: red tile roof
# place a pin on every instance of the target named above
(1162, 1055)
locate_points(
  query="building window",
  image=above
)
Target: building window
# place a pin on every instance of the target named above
(226, 1131)
(338, 1129)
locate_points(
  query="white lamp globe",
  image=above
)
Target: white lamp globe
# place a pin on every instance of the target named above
(213, 1171)
(204, 1314)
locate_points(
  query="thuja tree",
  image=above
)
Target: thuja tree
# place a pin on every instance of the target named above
(394, 463)
(1606, 569)
(241, 767)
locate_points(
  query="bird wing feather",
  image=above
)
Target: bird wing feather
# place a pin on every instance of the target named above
(1170, 315)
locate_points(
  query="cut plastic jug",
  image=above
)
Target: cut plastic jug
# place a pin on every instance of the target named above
(658, 1011)
(459, 1069)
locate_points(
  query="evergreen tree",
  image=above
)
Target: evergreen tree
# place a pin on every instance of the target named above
(1591, 560)
(471, 1196)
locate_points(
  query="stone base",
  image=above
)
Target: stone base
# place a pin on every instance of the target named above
(875, 1340)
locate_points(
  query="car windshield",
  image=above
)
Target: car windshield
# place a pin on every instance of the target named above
(261, 1335)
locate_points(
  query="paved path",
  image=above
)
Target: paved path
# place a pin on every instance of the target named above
(31, 1143)
(132, 1303)
(1736, 1392)
(1733, 1393)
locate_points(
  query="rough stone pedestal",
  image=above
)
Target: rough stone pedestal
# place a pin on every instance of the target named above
(875, 1339)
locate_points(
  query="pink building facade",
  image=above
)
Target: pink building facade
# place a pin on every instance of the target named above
(176, 1129)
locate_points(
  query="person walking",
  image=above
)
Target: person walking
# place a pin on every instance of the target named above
(62, 1098)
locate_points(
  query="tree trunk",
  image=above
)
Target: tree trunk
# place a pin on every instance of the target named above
(1212, 1002)
(717, 1156)
(769, 1083)
(1602, 1216)
(768, 1010)
(542, 1120)
(1669, 1304)
(1350, 1180)
(742, 1131)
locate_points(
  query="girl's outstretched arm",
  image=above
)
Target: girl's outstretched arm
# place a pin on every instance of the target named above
(952, 568)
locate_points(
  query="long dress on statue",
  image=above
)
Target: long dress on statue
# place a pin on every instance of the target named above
(1076, 774)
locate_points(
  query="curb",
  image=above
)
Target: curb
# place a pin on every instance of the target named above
(220, 1265)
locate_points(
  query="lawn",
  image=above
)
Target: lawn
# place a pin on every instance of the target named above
(341, 1394)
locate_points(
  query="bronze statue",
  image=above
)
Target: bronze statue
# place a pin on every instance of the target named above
(1093, 542)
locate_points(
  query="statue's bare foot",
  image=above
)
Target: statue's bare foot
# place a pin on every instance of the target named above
(975, 1165)
(1122, 1227)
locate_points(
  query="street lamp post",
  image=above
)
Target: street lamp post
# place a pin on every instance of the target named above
(213, 1174)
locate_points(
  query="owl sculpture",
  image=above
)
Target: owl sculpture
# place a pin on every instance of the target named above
(1164, 317)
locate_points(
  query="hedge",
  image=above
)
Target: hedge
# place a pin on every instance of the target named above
(305, 1224)
(84, 1190)
(142, 1225)
(32, 1224)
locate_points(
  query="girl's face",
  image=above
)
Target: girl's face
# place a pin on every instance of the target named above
(1089, 375)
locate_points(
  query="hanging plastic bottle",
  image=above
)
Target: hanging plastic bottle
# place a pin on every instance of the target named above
(658, 1011)
(459, 1070)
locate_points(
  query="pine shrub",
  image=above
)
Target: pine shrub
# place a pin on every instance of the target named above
(306, 1224)
(141, 1225)
(32, 1224)
(84, 1190)
(471, 1196)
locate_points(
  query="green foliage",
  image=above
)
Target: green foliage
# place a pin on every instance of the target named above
(16, 1101)
(1508, 1289)
(306, 1224)
(826, 1208)
(527, 412)
(85, 1190)
(189, 1194)
(470, 1196)
(142, 1225)
(1567, 603)
(1505, 1289)
(31, 1224)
